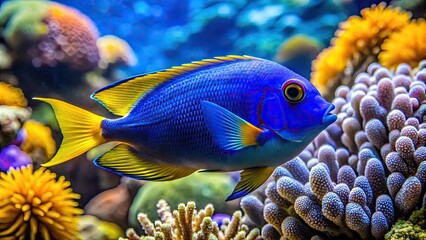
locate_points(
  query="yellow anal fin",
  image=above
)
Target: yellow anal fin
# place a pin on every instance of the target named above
(251, 179)
(123, 161)
(121, 96)
(80, 128)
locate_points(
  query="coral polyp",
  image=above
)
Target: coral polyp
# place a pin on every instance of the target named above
(34, 205)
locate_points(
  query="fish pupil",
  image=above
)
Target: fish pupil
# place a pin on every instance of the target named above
(293, 92)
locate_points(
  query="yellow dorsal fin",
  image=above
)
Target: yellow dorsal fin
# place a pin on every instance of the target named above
(123, 161)
(119, 97)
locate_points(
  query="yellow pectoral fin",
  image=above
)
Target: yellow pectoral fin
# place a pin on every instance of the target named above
(251, 179)
(123, 161)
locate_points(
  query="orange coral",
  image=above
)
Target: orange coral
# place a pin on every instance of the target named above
(11, 96)
(358, 37)
(70, 40)
(39, 138)
(406, 46)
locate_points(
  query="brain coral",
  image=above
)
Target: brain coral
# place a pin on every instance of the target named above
(50, 34)
(362, 174)
(358, 38)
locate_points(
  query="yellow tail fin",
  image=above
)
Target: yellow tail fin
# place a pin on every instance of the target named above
(81, 130)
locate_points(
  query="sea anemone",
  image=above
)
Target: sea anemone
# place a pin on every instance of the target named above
(11, 96)
(406, 46)
(38, 142)
(115, 51)
(357, 39)
(34, 205)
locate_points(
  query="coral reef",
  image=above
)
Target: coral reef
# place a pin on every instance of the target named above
(187, 223)
(363, 173)
(202, 188)
(49, 34)
(34, 205)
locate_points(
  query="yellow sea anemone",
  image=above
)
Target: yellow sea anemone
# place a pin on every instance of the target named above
(38, 143)
(11, 96)
(406, 46)
(34, 205)
(357, 38)
(114, 50)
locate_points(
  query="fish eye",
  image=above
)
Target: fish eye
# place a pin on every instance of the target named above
(294, 92)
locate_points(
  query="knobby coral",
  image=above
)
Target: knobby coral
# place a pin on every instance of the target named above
(186, 223)
(363, 173)
(356, 40)
(34, 205)
(50, 34)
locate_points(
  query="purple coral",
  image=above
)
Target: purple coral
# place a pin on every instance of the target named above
(407, 198)
(290, 188)
(375, 173)
(366, 170)
(320, 180)
(379, 225)
(253, 207)
(298, 169)
(12, 156)
(293, 229)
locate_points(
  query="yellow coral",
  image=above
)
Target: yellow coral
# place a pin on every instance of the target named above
(34, 205)
(358, 36)
(405, 46)
(38, 137)
(114, 50)
(11, 96)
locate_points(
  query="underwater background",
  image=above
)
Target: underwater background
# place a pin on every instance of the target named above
(362, 178)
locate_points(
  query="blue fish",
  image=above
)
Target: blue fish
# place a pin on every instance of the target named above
(223, 114)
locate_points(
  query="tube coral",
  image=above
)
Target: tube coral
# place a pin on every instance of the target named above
(35, 205)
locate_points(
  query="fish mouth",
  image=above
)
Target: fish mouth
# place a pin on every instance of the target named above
(329, 117)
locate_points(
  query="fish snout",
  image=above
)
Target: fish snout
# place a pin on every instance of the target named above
(329, 117)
